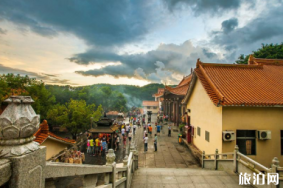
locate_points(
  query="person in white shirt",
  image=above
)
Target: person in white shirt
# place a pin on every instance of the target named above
(144, 133)
(123, 132)
(134, 129)
(145, 141)
(127, 129)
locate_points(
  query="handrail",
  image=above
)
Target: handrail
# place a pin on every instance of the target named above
(121, 169)
(54, 170)
(130, 158)
(253, 162)
(230, 153)
(246, 164)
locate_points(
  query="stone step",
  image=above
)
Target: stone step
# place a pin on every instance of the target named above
(183, 178)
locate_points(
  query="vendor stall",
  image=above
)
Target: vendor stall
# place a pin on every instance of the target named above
(104, 128)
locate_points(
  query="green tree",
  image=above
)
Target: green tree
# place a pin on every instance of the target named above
(11, 84)
(268, 51)
(74, 115)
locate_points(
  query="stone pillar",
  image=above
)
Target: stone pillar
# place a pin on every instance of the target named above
(177, 114)
(169, 111)
(18, 123)
(235, 163)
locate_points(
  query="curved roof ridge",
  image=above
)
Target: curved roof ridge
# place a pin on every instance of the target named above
(218, 93)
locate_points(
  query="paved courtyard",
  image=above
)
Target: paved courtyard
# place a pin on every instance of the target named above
(173, 165)
(170, 154)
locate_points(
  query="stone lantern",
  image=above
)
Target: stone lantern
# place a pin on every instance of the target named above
(18, 123)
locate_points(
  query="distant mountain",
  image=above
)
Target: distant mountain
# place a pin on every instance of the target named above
(134, 94)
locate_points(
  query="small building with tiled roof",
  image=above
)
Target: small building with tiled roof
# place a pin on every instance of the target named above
(152, 106)
(231, 104)
(173, 97)
(54, 144)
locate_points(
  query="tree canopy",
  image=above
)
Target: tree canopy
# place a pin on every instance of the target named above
(74, 115)
(268, 51)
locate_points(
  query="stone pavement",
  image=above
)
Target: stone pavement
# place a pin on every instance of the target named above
(170, 154)
(183, 178)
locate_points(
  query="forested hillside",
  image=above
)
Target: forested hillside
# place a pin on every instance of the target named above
(105, 93)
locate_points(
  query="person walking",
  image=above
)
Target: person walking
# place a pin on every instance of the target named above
(123, 131)
(155, 142)
(118, 142)
(88, 146)
(124, 142)
(97, 146)
(104, 147)
(91, 146)
(145, 141)
(127, 129)
(169, 130)
(130, 136)
(144, 133)
(150, 130)
(158, 128)
(134, 129)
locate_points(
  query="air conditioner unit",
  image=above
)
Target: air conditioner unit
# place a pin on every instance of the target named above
(228, 136)
(264, 135)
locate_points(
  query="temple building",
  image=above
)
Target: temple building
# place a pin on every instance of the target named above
(159, 97)
(150, 106)
(54, 144)
(173, 97)
(231, 104)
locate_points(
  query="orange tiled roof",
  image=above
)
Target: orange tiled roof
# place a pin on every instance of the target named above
(150, 103)
(159, 93)
(43, 133)
(181, 88)
(112, 113)
(258, 84)
(262, 61)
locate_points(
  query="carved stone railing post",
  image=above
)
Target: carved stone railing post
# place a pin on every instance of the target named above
(273, 169)
(125, 161)
(235, 163)
(18, 123)
(110, 157)
(110, 161)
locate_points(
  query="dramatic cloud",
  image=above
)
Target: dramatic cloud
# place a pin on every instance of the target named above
(205, 6)
(2, 31)
(155, 65)
(101, 23)
(48, 78)
(265, 28)
(229, 25)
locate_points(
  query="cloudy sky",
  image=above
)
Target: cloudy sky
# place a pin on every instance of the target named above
(135, 42)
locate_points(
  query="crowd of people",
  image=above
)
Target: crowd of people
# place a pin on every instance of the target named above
(148, 131)
(99, 146)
